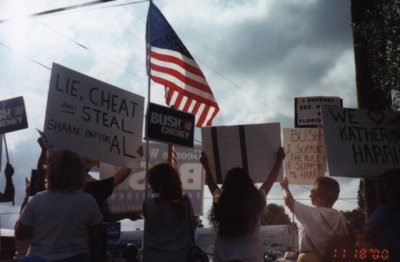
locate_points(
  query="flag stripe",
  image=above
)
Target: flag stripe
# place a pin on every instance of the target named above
(177, 88)
(176, 76)
(172, 57)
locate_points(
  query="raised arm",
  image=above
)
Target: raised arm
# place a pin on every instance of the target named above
(212, 186)
(287, 195)
(27, 194)
(273, 174)
(121, 175)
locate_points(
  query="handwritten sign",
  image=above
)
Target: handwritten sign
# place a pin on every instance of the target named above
(305, 155)
(308, 109)
(130, 195)
(252, 147)
(169, 125)
(361, 143)
(12, 115)
(95, 119)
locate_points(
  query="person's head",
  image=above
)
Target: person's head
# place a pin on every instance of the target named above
(237, 180)
(165, 181)
(65, 172)
(325, 192)
(239, 207)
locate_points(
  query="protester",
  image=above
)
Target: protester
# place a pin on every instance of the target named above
(167, 221)
(237, 211)
(317, 221)
(383, 226)
(61, 221)
(21, 247)
(102, 189)
(9, 190)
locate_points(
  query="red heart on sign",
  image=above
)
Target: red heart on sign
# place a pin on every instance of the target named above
(376, 116)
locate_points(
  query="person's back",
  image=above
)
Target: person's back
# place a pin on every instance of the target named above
(317, 222)
(383, 226)
(166, 238)
(237, 219)
(167, 218)
(62, 221)
(236, 212)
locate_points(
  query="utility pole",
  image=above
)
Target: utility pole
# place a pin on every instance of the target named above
(368, 95)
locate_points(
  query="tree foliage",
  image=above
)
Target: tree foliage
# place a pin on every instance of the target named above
(381, 31)
(275, 215)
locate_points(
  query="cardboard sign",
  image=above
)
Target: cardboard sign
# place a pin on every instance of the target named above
(95, 119)
(252, 147)
(308, 109)
(361, 143)
(130, 195)
(169, 125)
(305, 155)
(12, 115)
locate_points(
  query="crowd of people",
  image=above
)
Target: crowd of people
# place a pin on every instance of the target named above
(63, 222)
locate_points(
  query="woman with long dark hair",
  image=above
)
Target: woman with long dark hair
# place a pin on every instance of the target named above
(237, 210)
(167, 225)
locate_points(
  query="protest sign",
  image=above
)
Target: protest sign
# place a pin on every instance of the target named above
(308, 109)
(12, 115)
(360, 142)
(130, 195)
(305, 155)
(169, 125)
(95, 119)
(252, 147)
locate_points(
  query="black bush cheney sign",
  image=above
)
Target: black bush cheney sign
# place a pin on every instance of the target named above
(12, 115)
(169, 125)
(93, 118)
(360, 142)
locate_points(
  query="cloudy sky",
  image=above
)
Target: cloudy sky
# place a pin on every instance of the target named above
(257, 55)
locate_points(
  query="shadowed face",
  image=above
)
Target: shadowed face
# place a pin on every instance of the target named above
(315, 195)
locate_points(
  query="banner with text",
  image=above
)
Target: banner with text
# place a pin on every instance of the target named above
(252, 147)
(305, 155)
(169, 125)
(308, 109)
(12, 115)
(360, 142)
(95, 119)
(130, 195)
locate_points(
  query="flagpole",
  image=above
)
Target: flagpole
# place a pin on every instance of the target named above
(5, 146)
(148, 101)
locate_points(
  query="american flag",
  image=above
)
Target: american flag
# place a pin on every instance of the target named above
(171, 65)
(172, 160)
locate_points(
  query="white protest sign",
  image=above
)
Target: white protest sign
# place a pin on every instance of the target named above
(308, 109)
(305, 155)
(360, 142)
(130, 195)
(252, 147)
(93, 118)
